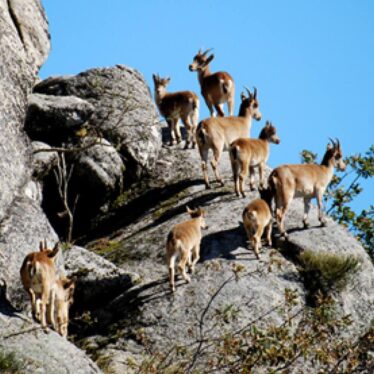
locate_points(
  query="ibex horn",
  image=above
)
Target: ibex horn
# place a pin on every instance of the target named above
(207, 51)
(249, 92)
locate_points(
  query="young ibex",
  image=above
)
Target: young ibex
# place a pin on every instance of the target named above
(256, 218)
(38, 275)
(182, 105)
(216, 88)
(184, 241)
(307, 181)
(250, 153)
(219, 132)
(61, 298)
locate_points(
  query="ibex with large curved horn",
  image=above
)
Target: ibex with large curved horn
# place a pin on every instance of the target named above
(216, 88)
(307, 181)
(218, 133)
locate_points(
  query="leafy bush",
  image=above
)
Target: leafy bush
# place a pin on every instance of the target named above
(326, 271)
(308, 336)
(9, 364)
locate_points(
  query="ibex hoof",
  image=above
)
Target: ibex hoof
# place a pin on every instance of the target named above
(323, 223)
(243, 195)
(208, 187)
(306, 225)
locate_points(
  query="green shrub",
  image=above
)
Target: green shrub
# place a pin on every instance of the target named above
(9, 364)
(326, 271)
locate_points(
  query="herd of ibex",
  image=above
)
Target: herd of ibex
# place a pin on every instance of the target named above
(51, 295)
(233, 134)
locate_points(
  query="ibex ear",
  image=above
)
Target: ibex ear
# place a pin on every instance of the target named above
(267, 124)
(242, 96)
(41, 246)
(167, 80)
(329, 146)
(209, 59)
(55, 250)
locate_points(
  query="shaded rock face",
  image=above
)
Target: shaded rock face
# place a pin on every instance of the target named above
(100, 169)
(53, 119)
(96, 180)
(124, 111)
(43, 162)
(98, 280)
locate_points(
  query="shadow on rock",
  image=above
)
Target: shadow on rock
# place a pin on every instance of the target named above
(221, 244)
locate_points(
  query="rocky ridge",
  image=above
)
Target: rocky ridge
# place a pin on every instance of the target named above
(124, 312)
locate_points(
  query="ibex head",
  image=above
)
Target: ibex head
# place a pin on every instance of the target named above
(334, 152)
(201, 60)
(160, 84)
(250, 105)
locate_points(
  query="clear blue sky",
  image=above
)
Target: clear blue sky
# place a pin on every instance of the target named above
(312, 61)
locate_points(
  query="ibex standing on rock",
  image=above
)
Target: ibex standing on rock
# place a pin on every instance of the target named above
(306, 181)
(216, 88)
(38, 275)
(256, 218)
(182, 105)
(219, 132)
(246, 154)
(184, 241)
(61, 299)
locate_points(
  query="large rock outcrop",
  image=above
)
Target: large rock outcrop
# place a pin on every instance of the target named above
(125, 113)
(109, 116)
(53, 119)
(228, 282)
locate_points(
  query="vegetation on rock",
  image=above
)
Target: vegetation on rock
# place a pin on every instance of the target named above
(9, 363)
